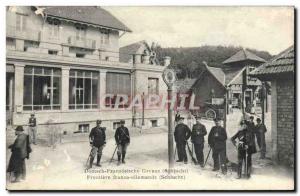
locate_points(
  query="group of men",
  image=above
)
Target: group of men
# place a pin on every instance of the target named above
(217, 141)
(98, 140)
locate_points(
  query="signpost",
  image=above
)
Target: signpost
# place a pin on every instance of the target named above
(169, 78)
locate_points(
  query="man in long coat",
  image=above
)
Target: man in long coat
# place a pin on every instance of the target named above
(97, 140)
(20, 150)
(122, 138)
(197, 138)
(217, 141)
(182, 133)
(260, 130)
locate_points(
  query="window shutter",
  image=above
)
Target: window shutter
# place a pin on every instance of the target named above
(24, 26)
(18, 22)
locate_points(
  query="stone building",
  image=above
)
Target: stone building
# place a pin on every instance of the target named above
(280, 71)
(61, 61)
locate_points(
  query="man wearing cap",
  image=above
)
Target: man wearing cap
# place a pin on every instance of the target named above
(245, 146)
(20, 150)
(32, 128)
(260, 130)
(182, 133)
(217, 141)
(97, 140)
(122, 140)
(197, 138)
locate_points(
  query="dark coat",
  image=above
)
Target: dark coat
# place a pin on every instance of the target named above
(260, 128)
(182, 133)
(122, 135)
(20, 150)
(246, 138)
(217, 138)
(32, 122)
(198, 133)
(98, 136)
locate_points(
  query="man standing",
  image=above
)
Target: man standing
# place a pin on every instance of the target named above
(246, 147)
(260, 130)
(32, 129)
(20, 150)
(217, 141)
(182, 133)
(122, 140)
(197, 138)
(97, 140)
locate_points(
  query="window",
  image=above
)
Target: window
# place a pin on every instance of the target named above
(153, 86)
(21, 21)
(41, 88)
(154, 123)
(117, 84)
(116, 125)
(104, 37)
(80, 32)
(52, 52)
(53, 28)
(84, 128)
(80, 55)
(83, 89)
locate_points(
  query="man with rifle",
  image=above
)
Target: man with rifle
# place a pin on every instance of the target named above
(97, 140)
(182, 133)
(197, 138)
(245, 146)
(122, 140)
(217, 141)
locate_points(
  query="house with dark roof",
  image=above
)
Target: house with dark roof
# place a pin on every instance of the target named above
(280, 71)
(62, 61)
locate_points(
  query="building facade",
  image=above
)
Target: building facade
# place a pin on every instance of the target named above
(62, 61)
(280, 71)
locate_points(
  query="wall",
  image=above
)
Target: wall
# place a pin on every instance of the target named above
(285, 121)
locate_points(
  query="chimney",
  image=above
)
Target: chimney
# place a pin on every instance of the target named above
(167, 61)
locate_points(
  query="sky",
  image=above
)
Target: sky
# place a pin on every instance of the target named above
(263, 28)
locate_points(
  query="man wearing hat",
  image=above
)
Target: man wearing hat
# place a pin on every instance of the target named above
(260, 130)
(122, 140)
(97, 140)
(182, 133)
(32, 128)
(20, 150)
(197, 138)
(217, 141)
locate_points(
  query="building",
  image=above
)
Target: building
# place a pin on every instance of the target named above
(62, 60)
(280, 70)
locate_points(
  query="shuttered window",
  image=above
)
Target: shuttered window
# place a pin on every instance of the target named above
(20, 22)
(116, 84)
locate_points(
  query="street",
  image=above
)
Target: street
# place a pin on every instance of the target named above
(64, 166)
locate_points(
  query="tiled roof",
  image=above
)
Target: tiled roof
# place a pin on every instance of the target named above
(282, 63)
(126, 52)
(88, 14)
(183, 86)
(217, 73)
(243, 55)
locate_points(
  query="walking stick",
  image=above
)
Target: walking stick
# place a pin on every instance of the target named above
(207, 157)
(175, 152)
(87, 161)
(113, 155)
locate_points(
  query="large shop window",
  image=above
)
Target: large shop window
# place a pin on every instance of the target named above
(41, 88)
(83, 89)
(117, 84)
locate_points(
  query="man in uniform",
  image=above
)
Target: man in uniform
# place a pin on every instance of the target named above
(197, 138)
(217, 141)
(260, 130)
(20, 150)
(182, 133)
(32, 129)
(122, 140)
(246, 147)
(97, 140)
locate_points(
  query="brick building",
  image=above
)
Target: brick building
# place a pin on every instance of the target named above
(61, 60)
(281, 72)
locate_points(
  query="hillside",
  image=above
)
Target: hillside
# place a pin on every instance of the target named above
(188, 61)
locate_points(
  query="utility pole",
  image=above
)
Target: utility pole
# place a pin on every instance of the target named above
(169, 78)
(263, 93)
(225, 111)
